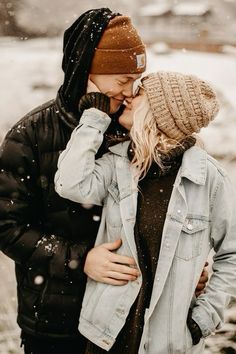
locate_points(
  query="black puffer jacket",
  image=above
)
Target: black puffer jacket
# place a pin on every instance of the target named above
(47, 236)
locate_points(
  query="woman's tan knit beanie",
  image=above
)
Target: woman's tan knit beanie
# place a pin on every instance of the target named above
(181, 104)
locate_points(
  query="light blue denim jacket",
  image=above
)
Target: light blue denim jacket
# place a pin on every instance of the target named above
(200, 216)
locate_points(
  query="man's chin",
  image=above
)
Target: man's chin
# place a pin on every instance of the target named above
(115, 105)
(114, 109)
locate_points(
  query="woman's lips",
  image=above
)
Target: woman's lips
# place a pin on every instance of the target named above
(127, 107)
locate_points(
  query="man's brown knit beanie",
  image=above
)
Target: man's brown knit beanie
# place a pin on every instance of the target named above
(120, 50)
(181, 104)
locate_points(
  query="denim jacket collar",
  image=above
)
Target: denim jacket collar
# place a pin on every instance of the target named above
(195, 169)
(192, 168)
(120, 149)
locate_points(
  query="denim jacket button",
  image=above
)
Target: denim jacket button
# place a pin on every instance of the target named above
(135, 283)
(190, 227)
(120, 311)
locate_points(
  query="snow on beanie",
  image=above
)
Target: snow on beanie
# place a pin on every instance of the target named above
(181, 104)
(120, 50)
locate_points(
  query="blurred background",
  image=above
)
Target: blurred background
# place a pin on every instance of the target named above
(197, 37)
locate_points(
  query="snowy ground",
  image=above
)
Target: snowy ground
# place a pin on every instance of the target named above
(30, 75)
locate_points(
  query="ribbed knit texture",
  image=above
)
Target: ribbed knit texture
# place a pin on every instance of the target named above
(181, 104)
(95, 99)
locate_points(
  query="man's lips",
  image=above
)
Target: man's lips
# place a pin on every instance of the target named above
(118, 100)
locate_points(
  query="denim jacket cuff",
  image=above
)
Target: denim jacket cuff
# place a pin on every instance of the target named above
(95, 118)
(203, 320)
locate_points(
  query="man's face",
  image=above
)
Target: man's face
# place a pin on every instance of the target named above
(118, 87)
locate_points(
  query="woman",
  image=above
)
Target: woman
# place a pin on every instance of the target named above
(170, 202)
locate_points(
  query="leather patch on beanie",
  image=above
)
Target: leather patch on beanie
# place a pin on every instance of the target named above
(141, 61)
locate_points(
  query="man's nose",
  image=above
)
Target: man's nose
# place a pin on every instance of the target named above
(128, 90)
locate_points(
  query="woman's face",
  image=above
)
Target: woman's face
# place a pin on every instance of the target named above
(127, 117)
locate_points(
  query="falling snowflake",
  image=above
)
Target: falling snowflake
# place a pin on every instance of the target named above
(38, 280)
(96, 218)
(73, 264)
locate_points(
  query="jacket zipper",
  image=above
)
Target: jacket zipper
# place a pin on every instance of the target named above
(39, 306)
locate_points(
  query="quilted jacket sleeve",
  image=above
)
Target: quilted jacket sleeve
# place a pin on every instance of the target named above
(22, 235)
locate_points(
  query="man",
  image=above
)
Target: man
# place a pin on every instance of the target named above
(49, 237)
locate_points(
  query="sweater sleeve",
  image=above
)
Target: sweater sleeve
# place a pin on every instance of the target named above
(22, 235)
(80, 177)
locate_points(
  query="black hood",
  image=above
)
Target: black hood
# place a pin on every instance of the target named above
(80, 41)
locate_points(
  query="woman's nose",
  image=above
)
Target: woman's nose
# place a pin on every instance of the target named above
(128, 99)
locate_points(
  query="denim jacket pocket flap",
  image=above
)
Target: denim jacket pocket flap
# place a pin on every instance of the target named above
(190, 241)
(192, 225)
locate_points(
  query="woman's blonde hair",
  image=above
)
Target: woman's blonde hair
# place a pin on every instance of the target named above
(148, 141)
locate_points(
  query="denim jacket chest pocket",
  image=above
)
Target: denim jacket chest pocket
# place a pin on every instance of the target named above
(191, 238)
(112, 204)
